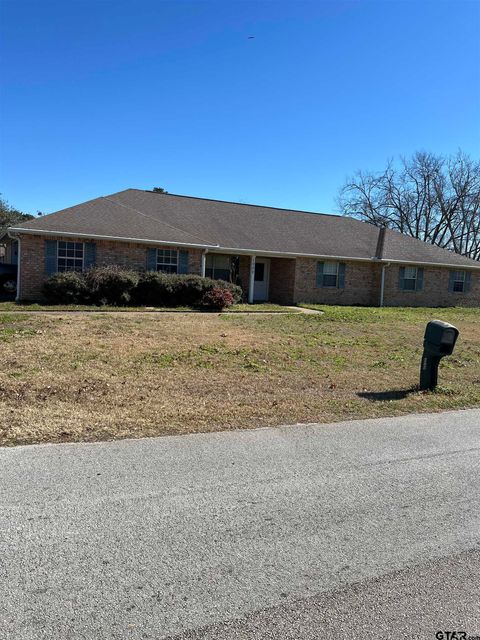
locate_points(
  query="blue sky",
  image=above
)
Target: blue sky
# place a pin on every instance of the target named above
(102, 95)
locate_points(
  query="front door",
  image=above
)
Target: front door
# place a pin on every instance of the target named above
(262, 276)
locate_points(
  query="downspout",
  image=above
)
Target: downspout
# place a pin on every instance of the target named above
(203, 265)
(382, 283)
(379, 256)
(251, 282)
(19, 259)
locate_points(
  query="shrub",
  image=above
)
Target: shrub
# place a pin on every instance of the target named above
(115, 286)
(156, 289)
(111, 285)
(152, 290)
(217, 298)
(66, 288)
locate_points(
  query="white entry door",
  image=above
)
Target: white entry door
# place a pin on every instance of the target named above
(262, 277)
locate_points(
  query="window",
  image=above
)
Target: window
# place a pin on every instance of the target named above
(330, 274)
(70, 256)
(410, 279)
(218, 267)
(167, 260)
(458, 281)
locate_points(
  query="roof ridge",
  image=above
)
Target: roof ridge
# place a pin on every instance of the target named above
(243, 204)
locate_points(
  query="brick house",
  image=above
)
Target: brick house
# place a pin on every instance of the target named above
(277, 255)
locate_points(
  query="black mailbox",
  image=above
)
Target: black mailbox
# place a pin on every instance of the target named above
(439, 341)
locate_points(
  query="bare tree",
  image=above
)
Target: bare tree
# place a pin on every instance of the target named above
(429, 197)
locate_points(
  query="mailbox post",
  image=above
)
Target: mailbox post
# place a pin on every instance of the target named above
(439, 341)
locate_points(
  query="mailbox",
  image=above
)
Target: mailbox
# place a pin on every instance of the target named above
(439, 341)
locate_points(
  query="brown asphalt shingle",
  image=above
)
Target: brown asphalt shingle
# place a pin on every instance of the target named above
(144, 215)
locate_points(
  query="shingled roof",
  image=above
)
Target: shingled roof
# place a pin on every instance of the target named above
(145, 216)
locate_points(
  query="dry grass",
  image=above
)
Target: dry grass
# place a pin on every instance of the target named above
(94, 376)
(11, 306)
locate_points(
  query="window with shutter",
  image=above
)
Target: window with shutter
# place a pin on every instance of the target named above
(458, 280)
(167, 260)
(70, 256)
(410, 279)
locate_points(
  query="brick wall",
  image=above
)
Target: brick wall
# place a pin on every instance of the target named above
(125, 254)
(435, 291)
(290, 280)
(362, 284)
(282, 281)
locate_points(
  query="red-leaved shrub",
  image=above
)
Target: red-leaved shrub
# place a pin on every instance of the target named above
(217, 298)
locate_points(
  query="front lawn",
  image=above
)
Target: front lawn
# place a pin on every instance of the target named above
(99, 376)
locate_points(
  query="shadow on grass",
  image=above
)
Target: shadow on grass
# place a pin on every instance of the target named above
(392, 394)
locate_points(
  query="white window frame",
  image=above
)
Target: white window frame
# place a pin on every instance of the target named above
(414, 278)
(169, 263)
(66, 257)
(335, 265)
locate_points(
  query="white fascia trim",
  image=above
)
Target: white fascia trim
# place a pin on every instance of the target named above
(285, 254)
(218, 248)
(459, 267)
(70, 234)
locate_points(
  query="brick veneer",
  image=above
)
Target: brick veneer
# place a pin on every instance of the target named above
(362, 284)
(125, 254)
(435, 291)
(291, 280)
(282, 280)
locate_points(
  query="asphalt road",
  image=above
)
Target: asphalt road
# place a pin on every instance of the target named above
(366, 529)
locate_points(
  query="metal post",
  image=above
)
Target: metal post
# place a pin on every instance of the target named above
(429, 371)
(251, 282)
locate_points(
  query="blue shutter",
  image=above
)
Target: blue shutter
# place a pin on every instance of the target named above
(183, 262)
(341, 275)
(89, 254)
(419, 283)
(319, 274)
(50, 257)
(451, 281)
(401, 278)
(468, 281)
(151, 259)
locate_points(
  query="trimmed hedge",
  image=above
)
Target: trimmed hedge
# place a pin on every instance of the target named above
(66, 288)
(121, 287)
(111, 285)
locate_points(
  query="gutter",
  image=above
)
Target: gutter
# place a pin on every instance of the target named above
(230, 250)
(70, 234)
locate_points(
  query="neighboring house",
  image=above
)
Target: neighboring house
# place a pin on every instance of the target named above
(275, 254)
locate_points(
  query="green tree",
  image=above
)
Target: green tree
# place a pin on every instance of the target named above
(10, 216)
(159, 190)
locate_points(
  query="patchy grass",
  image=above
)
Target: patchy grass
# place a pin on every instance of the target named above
(102, 376)
(236, 308)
